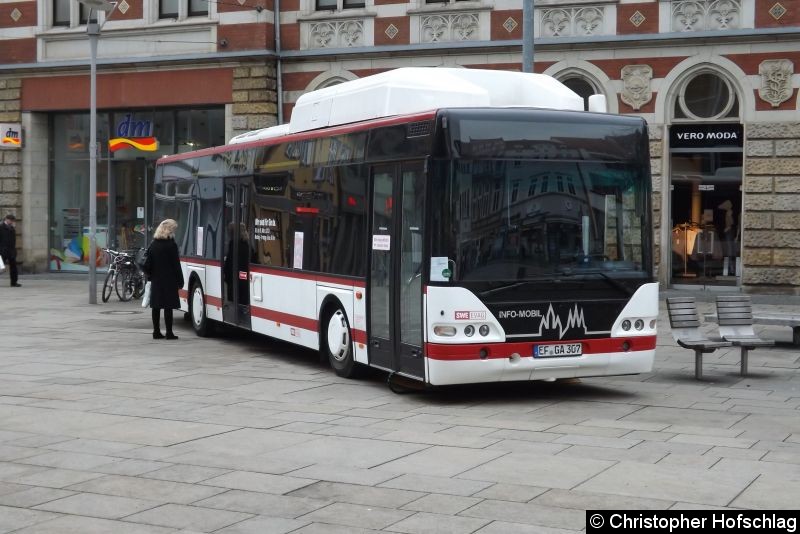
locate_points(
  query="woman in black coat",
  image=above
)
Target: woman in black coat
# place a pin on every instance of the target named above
(163, 267)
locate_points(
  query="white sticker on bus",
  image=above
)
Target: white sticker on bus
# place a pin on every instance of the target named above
(298, 250)
(381, 242)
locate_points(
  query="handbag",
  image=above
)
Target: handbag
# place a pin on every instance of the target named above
(146, 296)
(144, 261)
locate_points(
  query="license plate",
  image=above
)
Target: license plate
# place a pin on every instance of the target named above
(555, 351)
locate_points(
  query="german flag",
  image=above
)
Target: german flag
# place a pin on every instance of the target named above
(147, 144)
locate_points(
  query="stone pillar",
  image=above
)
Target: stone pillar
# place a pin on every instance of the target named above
(771, 230)
(255, 100)
(10, 168)
(36, 192)
(656, 133)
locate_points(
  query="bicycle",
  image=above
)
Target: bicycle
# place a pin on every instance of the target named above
(123, 276)
(130, 279)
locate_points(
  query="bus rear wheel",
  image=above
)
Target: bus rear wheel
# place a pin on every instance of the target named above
(197, 310)
(339, 346)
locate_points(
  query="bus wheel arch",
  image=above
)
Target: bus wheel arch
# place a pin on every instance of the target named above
(197, 308)
(335, 339)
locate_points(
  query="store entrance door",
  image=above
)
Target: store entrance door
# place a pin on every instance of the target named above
(130, 206)
(706, 205)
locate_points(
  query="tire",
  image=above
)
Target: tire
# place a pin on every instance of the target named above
(108, 285)
(124, 285)
(338, 345)
(197, 311)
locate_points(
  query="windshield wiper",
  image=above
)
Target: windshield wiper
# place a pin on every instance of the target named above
(501, 288)
(612, 282)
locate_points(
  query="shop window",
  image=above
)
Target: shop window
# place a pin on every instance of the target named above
(706, 96)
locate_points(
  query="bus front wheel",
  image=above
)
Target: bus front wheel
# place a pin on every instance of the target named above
(339, 346)
(197, 310)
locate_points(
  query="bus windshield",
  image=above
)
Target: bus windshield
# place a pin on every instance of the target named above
(518, 220)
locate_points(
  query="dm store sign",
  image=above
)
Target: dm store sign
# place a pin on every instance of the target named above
(11, 135)
(132, 133)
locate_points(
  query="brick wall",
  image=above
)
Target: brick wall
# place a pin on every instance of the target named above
(255, 100)
(771, 233)
(10, 165)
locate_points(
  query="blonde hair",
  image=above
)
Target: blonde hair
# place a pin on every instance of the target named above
(166, 230)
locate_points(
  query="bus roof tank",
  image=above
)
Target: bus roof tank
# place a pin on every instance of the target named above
(416, 89)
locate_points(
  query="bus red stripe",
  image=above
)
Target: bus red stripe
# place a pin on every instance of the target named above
(359, 336)
(438, 351)
(300, 275)
(284, 318)
(213, 301)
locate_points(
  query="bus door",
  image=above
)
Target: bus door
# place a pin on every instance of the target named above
(395, 280)
(237, 252)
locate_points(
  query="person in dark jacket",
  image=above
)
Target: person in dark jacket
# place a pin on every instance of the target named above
(8, 247)
(163, 268)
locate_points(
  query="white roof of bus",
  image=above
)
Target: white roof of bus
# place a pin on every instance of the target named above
(416, 89)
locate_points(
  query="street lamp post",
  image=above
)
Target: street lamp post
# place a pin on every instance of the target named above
(93, 31)
(528, 8)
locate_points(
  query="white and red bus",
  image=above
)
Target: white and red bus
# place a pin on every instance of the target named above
(448, 225)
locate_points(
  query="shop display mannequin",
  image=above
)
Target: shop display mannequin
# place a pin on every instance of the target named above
(729, 236)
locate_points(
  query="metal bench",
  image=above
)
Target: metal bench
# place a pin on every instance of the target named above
(686, 331)
(735, 317)
(774, 319)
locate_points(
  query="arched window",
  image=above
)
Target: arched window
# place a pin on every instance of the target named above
(704, 96)
(582, 87)
(330, 82)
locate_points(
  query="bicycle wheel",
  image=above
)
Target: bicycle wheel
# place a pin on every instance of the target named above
(108, 285)
(124, 285)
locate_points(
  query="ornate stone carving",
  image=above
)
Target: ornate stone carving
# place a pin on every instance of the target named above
(336, 34)
(560, 22)
(776, 81)
(449, 27)
(636, 90)
(699, 15)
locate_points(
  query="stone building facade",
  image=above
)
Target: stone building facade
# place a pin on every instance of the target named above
(716, 81)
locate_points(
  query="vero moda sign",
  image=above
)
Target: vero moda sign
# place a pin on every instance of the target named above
(706, 136)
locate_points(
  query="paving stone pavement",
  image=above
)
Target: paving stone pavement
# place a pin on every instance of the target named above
(103, 429)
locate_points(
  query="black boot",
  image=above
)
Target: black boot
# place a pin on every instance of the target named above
(158, 335)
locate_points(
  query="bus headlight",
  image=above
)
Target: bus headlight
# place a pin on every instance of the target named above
(639, 324)
(484, 330)
(444, 331)
(469, 330)
(626, 325)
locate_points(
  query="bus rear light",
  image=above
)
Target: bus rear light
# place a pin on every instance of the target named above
(652, 324)
(444, 331)
(469, 330)
(484, 330)
(626, 325)
(639, 324)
